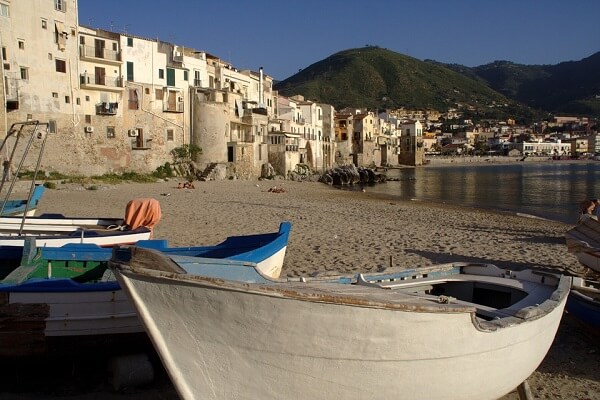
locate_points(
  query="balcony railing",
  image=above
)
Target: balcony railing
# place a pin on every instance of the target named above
(247, 138)
(91, 80)
(101, 53)
(178, 107)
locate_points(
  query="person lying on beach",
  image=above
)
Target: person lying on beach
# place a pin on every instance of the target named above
(186, 185)
(586, 210)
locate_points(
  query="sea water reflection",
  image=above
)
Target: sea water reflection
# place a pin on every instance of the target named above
(550, 190)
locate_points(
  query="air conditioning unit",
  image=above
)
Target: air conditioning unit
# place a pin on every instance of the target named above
(89, 129)
(133, 133)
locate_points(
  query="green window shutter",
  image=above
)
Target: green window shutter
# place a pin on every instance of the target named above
(129, 71)
(170, 77)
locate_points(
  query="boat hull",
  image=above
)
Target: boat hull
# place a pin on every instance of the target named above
(583, 240)
(584, 302)
(219, 341)
(590, 259)
(35, 311)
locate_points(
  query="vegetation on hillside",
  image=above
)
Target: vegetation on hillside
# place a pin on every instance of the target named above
(378, 78)
(569, 87)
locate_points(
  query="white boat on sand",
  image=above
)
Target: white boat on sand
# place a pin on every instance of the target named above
(583, 241)
(453, 331)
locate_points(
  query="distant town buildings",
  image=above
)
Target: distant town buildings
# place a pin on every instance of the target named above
(117, 102)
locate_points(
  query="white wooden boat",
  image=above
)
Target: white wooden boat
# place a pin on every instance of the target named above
(583, 241)
(59, 295)
(141, 215)
(453, 331)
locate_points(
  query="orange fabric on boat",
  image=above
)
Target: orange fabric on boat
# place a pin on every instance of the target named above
(142, 212)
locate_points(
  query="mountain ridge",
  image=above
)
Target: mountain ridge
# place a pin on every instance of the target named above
(378, 78)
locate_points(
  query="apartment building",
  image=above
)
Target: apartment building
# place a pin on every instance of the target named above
(118, 102)
(40, 72)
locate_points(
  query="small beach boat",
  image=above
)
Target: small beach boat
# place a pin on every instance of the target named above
(57, 295)
(141, 216)
(584, 302)
(583, 241)
(452, 331)
(25, 207)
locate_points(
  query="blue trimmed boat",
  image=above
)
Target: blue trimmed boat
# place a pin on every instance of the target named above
(16, 207)
(57, 294)
(584, 302)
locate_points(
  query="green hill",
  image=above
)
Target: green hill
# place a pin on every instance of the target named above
(378, 78)
(569, 87)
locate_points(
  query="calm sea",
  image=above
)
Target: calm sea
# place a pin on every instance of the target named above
(551, 190)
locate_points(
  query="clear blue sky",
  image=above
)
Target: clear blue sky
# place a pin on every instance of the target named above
(286, 36)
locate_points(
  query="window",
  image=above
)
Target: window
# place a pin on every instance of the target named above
(185, 75)
(129, 42)
(21, 44)
(110, 132)
(88, 119)
(130, 71)
(4, 10)
(133, 99)
(3, 53)
(44, 24)
(78, 101)
(115, 47)
(49, 56)
(55, 95)
(52, 126)
(87, 98)
(24, 73)
(170, 77)
(170, 135)
(161, 74)
(158, 93)
(67, 99)
(81, 39)
(61, 66)
(60, 5)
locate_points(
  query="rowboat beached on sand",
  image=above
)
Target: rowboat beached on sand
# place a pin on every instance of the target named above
(141, 216)
(584, 302)
(28, 207)
(452, 331)
(60, 296)
(583, 241)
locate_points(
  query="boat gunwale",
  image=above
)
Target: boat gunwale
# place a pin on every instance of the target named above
(293, 291)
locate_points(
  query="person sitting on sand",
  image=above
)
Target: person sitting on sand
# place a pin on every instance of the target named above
(586, 211)
(596, 211)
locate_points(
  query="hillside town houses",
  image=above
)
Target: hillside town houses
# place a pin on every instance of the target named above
(115, 102)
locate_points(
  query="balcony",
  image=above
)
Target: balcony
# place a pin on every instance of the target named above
(100, 54)
(177, 107)
(107, 108)
(101, 82)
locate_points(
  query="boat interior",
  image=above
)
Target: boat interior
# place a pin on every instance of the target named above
(492, 296)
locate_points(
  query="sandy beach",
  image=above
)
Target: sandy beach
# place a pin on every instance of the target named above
(343, 231)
